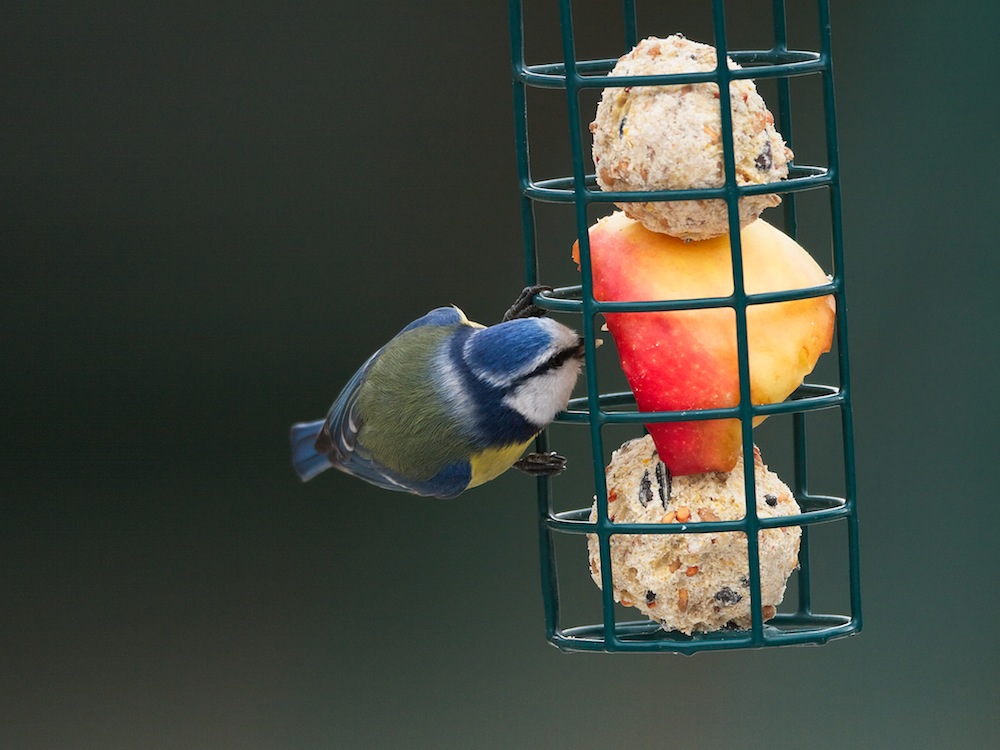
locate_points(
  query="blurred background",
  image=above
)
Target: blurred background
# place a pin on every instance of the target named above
(211, 215)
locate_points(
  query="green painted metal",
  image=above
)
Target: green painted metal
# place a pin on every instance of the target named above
(597, 410)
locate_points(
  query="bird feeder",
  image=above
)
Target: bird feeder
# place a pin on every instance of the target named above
(796, 621)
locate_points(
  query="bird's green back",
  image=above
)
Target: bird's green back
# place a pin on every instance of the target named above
(406, 424)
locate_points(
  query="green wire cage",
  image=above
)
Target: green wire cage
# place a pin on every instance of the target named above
(597, 411)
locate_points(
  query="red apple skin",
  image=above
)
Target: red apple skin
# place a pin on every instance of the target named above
(687, 359)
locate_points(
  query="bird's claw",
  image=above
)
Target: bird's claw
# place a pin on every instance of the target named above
(541, 464)
(524, 306)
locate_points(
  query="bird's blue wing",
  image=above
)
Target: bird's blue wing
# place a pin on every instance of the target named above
(338, 438)
(316, 446)
(343, 421)
(452, 480)
(440, 316)
(348, 455)
(339, 435)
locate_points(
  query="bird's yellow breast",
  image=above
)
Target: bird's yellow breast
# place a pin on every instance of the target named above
(492, 462)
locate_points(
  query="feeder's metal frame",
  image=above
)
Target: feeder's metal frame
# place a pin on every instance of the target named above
(580, 189)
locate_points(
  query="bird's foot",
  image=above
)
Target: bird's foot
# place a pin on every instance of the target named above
(541, 464)
(524, 306)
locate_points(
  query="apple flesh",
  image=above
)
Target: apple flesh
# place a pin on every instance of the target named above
(687, 359)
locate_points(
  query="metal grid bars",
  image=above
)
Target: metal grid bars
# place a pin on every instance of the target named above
(597, 410)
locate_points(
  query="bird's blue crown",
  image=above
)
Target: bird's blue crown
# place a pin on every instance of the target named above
(507, 351)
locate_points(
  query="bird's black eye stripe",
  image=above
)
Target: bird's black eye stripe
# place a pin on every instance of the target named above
(556, 360)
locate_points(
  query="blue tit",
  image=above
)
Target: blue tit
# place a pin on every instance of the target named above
(448, 404)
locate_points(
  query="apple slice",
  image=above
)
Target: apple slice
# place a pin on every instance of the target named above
(687, 359)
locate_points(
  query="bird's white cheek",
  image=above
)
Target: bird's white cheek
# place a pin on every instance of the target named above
(539, 399)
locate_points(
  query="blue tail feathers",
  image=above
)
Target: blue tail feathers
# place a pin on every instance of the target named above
(307, 462)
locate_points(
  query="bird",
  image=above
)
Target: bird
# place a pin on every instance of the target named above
(448, 404)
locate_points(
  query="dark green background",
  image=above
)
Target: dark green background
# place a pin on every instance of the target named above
(211, 216)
